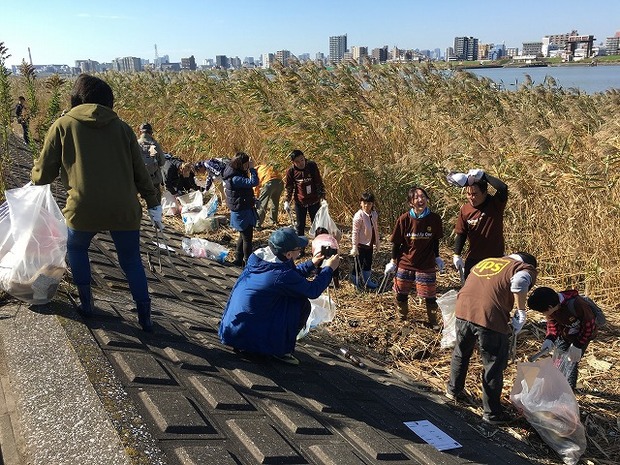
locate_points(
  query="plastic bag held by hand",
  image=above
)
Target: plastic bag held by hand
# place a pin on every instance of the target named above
(474, 175)
(574, 354)
(390, 268)
(156, 214)
(457, 179)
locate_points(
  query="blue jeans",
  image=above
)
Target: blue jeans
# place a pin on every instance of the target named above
(128, 251)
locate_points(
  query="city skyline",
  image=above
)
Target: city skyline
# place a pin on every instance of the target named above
(64, 31)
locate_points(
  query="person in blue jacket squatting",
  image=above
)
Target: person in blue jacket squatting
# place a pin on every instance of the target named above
(269, 303)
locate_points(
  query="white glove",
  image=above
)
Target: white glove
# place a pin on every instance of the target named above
(287, 206)
(458, 262)
(457, 179)
(518, 320)
(440, 264)
(474, 175)
(574, 354)
(323, 203)
(547, 345)
(354, 252)
(390, 268)
(156, 217)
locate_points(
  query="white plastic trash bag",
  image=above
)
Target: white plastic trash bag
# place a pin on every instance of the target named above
(33, 244)
(190, 202)
(202, 248)
(447, 304)
(322, 310)
(169, 204)
(547, 401)
(323, 220)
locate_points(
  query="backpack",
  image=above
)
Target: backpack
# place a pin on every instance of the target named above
(599, 316)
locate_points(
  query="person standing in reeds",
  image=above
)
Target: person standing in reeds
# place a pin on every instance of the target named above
(364, 238)
(305, 186)
(99, 162)
(483, 315)
(270, 188)
(21, 113)
(153, 156)
(415, 255)
(480, 220)
(239, 179)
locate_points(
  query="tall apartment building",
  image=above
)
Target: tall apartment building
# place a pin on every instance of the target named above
(380, 55)
(319, 57)
(466, 48)
(127, 64)
(283, 56)
(483, 51)
(531, 48)
(221, 61)
(88, 66)
(188, 63)
(612, 44)
(268, 59)
(337, 48)
(359, 53)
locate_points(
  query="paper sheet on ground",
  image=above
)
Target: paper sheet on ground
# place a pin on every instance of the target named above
(161, 245)
(432, 435)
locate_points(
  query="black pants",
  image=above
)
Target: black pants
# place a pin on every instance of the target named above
(301, 212)
(364, 257)
(244, 245)
(493, 348)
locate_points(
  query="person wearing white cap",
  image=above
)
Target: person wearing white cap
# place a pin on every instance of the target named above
(480, 220)
(269, 303)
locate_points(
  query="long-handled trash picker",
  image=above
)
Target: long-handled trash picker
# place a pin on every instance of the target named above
(159, 243)
(537, 355)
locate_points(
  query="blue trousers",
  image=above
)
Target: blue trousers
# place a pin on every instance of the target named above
(128, 251)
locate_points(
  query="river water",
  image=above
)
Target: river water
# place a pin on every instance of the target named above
(589, 79)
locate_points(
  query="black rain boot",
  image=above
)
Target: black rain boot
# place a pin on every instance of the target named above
(403, 309)
(144, 316)
(86, 308)
(431, 313)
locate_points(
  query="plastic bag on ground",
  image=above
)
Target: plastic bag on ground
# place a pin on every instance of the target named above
(169, 204)
(33, 244)
(322, 310)
(202, 248)
(190, 202)
(323, 220)
(547, 401)
(447, 304)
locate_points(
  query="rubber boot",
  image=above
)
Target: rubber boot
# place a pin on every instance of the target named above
(144, 316)
(431, 313)
(370, 284)
(86, 308)
(403, 309)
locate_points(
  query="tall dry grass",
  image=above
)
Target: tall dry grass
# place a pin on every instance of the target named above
(387, 128)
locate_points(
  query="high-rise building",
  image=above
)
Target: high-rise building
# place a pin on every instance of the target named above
(337, 48)
(127, 64)
(359, 54)
(221, 61)
(531, 49)
(283, 56)
(466, 48)
(319, 57)
(268, 59)
(380, 55)
(612, 45)
(188, 63)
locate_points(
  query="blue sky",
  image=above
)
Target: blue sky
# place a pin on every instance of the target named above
(61, 31)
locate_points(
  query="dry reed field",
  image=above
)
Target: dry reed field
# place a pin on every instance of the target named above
(388, 128)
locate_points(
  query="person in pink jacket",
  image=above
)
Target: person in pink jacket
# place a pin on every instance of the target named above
(364, 238)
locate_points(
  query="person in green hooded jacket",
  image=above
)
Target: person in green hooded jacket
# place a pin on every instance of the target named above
(99, 162)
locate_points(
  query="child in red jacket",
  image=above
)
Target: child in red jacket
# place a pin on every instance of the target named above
(571, 323)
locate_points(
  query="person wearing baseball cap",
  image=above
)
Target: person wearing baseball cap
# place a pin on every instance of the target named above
(269, 304)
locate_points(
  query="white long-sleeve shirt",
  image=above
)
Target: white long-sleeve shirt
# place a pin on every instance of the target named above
(363, 225)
